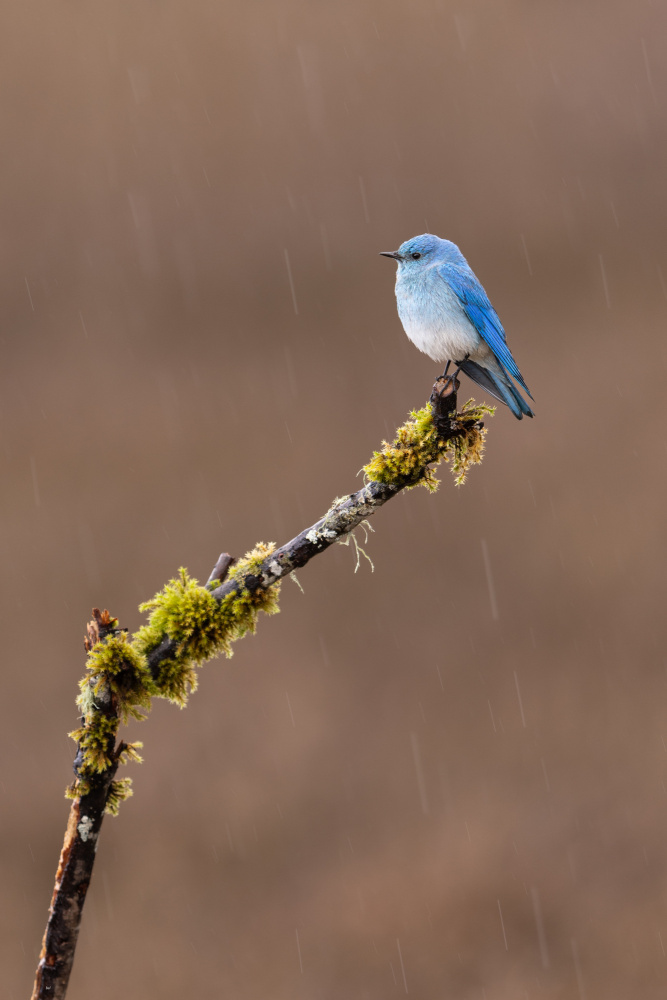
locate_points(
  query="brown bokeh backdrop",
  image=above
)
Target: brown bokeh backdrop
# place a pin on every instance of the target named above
(386, 769)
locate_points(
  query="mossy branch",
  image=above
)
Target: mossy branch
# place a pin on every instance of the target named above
(189, 623)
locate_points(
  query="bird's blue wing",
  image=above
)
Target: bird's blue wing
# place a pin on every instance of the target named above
(483, 317)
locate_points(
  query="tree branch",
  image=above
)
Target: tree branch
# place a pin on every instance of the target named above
(77, 856)
(189, 624)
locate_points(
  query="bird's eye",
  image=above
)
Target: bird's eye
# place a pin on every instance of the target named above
(416, 256)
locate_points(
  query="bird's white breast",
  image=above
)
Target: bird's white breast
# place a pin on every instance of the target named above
(433, 318)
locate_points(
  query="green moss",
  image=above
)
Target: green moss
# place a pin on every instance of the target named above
(129, 752)
(96, 739)
(200, 625)
(77, 789)
(242, 610)
(186, 612)
(406, 462)
(116, 664)
(120, 790)
(116, 687)
(467, 448)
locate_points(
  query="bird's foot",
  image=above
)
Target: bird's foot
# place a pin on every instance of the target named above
(458, 364)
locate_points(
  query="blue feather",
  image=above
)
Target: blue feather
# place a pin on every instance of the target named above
(483, 317)
(502, 390)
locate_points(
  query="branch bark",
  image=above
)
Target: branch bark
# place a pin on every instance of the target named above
(77, 858)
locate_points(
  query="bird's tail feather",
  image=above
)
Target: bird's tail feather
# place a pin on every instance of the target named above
(497, 387)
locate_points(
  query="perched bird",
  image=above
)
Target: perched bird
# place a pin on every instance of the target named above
(447, 314)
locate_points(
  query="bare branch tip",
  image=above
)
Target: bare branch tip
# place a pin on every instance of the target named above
(221, 568)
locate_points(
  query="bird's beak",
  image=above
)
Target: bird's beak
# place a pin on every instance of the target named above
(391, 253)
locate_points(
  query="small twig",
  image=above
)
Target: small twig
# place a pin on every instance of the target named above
(221, 568)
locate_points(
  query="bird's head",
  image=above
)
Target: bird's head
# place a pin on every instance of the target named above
(418, 252)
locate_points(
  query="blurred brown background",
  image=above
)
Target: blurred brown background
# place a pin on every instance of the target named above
(349, 807)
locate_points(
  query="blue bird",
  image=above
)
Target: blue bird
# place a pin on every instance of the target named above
(447, 314)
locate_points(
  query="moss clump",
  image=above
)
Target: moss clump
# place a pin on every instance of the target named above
(116, 687)
(96, 739)
(185, 612)
(120, 790)
(406, 462)
(116, 665)
(241, 610)
(467, 447)
(200, 625)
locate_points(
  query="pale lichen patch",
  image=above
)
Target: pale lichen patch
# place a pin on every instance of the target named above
(85, 827)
